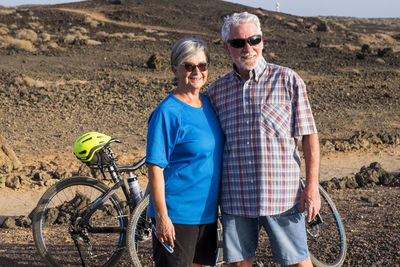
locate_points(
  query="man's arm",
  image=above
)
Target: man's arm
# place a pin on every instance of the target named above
(310, 198)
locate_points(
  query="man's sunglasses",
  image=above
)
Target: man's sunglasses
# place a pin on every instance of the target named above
(240, 43)
(191, 67)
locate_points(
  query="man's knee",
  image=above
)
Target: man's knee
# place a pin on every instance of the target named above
(244, 263)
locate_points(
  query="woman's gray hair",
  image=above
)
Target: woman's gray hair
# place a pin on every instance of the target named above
(186, 48)
(236, 19)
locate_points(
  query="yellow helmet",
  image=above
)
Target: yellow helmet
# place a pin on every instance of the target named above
(88, 144)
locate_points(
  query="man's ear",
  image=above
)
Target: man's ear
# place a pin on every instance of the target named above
(226, 48)
(173, 68)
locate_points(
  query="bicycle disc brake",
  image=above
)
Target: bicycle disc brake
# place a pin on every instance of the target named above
(79, 231)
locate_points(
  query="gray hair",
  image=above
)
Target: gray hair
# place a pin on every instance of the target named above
(186, 48)
(236, 19)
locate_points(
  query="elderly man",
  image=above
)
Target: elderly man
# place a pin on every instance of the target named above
(263, 110)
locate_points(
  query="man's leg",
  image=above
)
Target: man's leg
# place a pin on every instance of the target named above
(306, 263)
(288, 237)
(240, 239)
(244, 263)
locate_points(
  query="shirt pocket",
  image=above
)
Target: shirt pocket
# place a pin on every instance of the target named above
(275, 119)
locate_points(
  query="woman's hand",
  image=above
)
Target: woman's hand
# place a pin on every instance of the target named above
(165, 231)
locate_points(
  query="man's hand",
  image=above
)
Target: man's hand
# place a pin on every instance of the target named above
(310, 201)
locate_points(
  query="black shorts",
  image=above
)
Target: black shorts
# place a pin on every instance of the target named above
(193, 244)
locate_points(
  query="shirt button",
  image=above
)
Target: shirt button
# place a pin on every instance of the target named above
(248, 143)
(249, 162)
(247, 122)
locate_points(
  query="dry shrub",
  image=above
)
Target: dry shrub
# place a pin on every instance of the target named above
(336, 46)
(30, 82)
(52, 45)
(340, 26)
(149, 31)
(143, 38)
(355, 71)
(162, 33)
(352, 47)
(7, 11)
(5, 41)
(93, 42)
(129, 35)
(380, 60)
(117, 35)
(33, 83)
(91, 22)
(76, 38)
(377, 39)
(4, 30)
(35, 25)
(26, 34)
(292, 25)
(386, 38)
(102, 34)
(22, 45)
(45, 37)
(271, 55)
(77, 29)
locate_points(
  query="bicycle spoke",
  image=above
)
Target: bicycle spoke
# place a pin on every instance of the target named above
(58, 224)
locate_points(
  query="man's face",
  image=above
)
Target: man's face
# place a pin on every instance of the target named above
(245, 58)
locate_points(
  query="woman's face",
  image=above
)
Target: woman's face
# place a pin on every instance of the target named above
(195, 79)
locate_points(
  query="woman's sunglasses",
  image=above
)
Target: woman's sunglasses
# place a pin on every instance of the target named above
(191, 67)
(240, 43)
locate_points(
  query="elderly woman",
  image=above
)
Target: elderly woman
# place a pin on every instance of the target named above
(184, 153)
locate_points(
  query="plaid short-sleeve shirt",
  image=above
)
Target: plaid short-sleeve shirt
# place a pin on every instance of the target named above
(262, 118)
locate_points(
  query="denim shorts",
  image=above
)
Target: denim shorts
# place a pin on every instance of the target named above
(286, 232)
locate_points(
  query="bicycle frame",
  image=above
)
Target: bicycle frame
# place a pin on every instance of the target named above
(115, 171)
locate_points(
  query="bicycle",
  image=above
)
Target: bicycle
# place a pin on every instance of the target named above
(80, 220)
(63, 217)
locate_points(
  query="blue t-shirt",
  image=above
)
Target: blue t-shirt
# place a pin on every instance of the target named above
(188, 143)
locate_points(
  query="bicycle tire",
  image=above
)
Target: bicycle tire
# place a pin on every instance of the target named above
(139, 237)
(51, 224)
(328, 249)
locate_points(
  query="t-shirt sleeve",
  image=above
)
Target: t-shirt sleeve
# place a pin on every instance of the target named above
(304, 123)
(162, 133)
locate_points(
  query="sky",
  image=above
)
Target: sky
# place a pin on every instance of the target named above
(346, 8)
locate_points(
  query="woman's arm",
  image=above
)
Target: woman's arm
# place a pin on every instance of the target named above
(165, 230)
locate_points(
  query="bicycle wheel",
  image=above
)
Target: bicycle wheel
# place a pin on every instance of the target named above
(327, 239)
(56, 216)
(139, 236)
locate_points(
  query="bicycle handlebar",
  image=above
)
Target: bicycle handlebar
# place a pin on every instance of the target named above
(133, 167)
